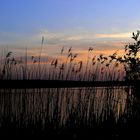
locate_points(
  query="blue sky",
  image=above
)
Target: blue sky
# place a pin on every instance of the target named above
(67, 22)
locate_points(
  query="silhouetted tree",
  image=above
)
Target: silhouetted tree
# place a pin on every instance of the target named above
(130, 59)
(131, 63)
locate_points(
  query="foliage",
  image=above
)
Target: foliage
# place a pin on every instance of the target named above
(130, 59)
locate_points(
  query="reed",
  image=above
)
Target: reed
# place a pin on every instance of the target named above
(66, 111)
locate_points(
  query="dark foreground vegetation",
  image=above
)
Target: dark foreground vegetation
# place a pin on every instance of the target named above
(30, 84)
(71, 112)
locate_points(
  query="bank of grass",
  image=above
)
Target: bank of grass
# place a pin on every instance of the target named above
(68, 66)
(62, 112)
(65, 112)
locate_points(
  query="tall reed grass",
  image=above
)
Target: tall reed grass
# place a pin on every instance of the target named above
(60, 109)
(65, 110)
(69, 66)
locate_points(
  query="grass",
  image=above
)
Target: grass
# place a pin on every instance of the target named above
(68, 112)
(67, 67)
(59, 110)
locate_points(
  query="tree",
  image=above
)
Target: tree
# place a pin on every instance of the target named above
(130, 59)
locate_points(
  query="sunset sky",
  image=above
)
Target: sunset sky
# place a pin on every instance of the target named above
(102, 24)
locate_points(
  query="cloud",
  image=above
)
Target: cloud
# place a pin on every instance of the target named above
(60, 38)
(84, 38)
(79, 40)
(79, 37)
(113, 36)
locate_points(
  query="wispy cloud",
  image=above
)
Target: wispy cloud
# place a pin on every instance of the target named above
(92, 36)
(78, 37)
(113, 36)
(80, 40)
(56, 38)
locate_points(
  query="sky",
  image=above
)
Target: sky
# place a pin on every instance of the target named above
(103, 24)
